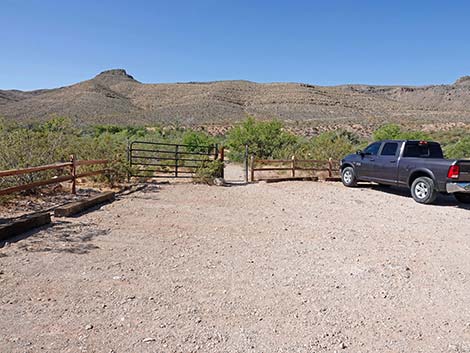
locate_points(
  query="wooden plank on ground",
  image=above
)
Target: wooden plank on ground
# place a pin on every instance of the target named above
(23, 224)
(74, 208)
(277, 180)
(333, 179)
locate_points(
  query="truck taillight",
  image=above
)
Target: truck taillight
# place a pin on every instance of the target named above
(453, 172)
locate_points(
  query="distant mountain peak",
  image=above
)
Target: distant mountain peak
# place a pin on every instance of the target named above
(115, 75)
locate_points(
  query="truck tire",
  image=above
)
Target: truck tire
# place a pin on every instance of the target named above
(423, 190)
(348, 177)
(462, 197)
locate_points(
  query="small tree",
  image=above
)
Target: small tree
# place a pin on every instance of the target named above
(266, 139)
(333, 145)
(197, 141)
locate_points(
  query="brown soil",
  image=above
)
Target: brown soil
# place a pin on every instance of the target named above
(288, 267)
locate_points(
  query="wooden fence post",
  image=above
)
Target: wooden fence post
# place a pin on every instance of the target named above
(245, 162)
(73, 173)
(293, 166)
(176, 160)
(128, 152)
(330, 168)
(252, 167)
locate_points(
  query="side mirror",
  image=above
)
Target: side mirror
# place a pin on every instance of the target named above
(360, 152)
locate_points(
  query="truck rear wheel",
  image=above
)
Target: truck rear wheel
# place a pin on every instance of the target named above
(348, 177)
(423, 190)
(462, 197)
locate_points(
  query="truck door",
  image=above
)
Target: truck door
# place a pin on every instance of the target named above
(366, 166)
(386, 166)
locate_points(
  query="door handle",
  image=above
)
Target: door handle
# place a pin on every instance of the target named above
(371, 159)
(393, 161)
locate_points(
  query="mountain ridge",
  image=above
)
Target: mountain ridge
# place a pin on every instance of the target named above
(116, 97)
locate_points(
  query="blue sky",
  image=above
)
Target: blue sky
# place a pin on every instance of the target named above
(47, 43)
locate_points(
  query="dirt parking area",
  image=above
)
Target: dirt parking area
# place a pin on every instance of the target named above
(287, 267)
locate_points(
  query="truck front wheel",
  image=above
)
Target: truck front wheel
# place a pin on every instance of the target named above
(348, 177)
(462, 197)
(423, 190)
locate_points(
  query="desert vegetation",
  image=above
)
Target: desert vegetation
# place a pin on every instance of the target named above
(56, 139)
(269, 139)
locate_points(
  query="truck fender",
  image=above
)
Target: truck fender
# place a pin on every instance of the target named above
(416, 173)
(344, 165)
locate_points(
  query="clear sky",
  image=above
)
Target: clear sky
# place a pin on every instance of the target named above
(51, 43)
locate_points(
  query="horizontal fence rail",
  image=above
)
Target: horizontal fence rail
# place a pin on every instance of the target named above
(70, 167)
(168, 160)
(293, 166)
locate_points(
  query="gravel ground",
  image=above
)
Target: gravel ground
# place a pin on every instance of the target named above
(286, 267)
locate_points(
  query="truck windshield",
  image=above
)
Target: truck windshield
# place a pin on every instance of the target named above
(423, 150)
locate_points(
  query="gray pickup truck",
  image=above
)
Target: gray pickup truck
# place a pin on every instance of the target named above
(417, 165)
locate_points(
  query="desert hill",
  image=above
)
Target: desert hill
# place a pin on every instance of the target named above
(115, 97)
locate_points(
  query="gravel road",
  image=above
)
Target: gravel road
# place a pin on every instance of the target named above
(286, 267)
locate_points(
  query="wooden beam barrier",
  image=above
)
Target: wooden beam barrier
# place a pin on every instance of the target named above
(23, 224)
(74, 208)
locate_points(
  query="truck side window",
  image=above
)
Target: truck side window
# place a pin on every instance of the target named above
(372, 149)
(389, 149)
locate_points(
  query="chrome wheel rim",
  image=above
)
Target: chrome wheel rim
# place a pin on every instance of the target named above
(347, 177)
(421, 190)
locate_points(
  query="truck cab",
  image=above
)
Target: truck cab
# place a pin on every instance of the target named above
(402, 162)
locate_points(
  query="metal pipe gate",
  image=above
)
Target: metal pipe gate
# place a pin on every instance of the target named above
(168, 160)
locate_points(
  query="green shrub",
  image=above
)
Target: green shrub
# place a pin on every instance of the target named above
(266, 139)
(395, 132)
(458, 150)
(197, 141)
(208, 171)
(334, 144)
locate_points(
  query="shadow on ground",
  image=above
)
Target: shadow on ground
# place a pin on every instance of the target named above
(441, 200)
(62, 236)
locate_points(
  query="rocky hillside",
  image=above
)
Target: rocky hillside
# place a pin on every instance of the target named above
(114, 97)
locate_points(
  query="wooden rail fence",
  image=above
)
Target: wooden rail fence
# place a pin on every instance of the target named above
(293, 166)
(72, 175)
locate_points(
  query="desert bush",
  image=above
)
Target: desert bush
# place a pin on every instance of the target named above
(55, 140)
(197, 141)
(395, 132)
(334, 144)
(39, 144)
(266, 139)
(459, 149)
(208, 171)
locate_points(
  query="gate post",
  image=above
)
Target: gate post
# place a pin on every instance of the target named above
(246, 163)
(293, 166)
(216, 151)
(252, 167)
(128, 152)
(222, 157)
